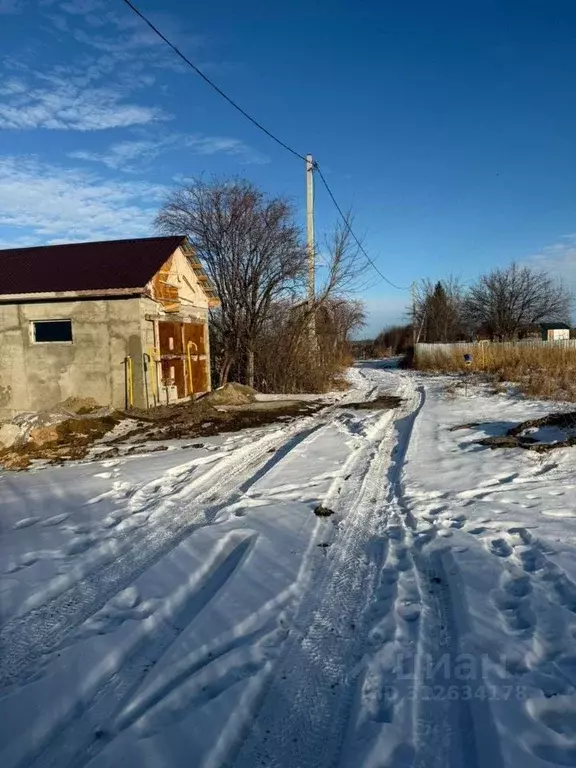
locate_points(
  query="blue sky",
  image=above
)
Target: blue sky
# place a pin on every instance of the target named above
(448, 127)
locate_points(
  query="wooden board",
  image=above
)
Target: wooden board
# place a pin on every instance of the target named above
(194, 332)
(170, 338)
(173, 371)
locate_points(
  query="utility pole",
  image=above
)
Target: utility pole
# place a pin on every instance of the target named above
(414, 332)
(310, 245)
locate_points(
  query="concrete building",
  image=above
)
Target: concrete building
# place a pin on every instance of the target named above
(124, 322)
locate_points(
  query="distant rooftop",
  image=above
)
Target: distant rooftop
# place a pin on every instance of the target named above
(555, 326)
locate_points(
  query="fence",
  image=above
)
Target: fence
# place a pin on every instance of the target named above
(485, 352)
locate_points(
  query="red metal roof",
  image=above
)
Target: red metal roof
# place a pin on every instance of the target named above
(104, 265)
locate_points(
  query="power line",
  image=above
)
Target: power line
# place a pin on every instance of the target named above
(204, 77)
(351, 231)
(259, 125)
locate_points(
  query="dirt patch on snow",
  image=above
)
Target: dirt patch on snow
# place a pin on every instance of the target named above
(89, 435)
(556, 430)
(201, 419)
(381, 403)
(64, 440)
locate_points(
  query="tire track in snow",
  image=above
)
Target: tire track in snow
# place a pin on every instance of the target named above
(302, 716)
(450, 728)
(70, 738)
(27, 640)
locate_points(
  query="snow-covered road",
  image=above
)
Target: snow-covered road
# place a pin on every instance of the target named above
(189, 609)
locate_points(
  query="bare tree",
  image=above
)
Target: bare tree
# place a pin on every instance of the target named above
(506, 302)
(252, 251)
(343, 262)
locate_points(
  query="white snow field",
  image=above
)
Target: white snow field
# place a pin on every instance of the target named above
(188, 609)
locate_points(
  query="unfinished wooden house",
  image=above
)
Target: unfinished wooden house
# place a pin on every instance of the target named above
(124, 322)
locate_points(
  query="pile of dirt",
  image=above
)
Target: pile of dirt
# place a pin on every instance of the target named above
(79, 405)
(231, 394)
(67, 439)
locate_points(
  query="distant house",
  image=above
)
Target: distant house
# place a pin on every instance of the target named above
(554, 331)
(124, 322)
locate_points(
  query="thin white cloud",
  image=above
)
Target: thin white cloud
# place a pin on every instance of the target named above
(134, 156)
(47, 203)
(559, 260)
(67, 106)
(212, 145)
(93, 91)
(121, 33)
(82, 7)
(121, 156)
(9, 7)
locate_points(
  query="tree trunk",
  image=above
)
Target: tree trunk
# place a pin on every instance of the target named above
(250, 368)
(224, 371)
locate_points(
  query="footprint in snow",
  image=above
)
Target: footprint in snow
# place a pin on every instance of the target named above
(54, 520)
(559, 512)
(25, 560)
(26, 522)
(127, 598)
(523, 533)
(557, 714)
(500, 547)
(518, 586)
(79, 544)
(531, 559)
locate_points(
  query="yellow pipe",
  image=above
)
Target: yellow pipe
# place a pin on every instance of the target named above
(190, 344)
(153, 371)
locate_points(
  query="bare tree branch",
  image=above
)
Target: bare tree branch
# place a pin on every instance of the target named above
(251, 249)
(506, 302)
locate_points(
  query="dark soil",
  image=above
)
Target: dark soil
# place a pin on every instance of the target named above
(189, 420)
(200, 419)
(321, 511)
(381, 403)
(515, 439)
(180, 421)
(75, 436)
(470, 425)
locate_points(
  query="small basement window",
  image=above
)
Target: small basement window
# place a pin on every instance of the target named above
(52, 330)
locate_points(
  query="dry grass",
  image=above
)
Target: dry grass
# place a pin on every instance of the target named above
(544, 372)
